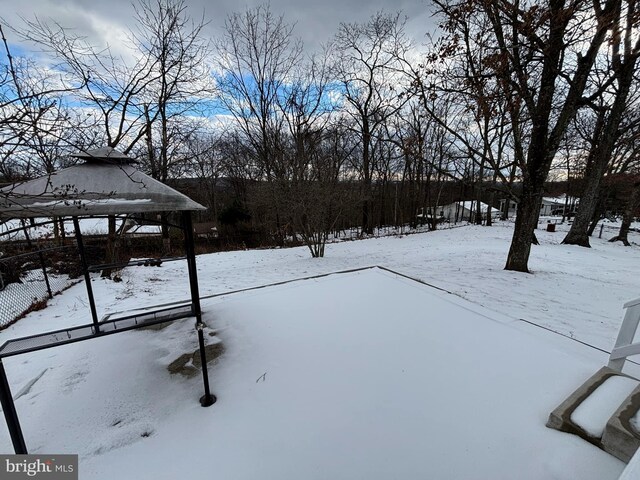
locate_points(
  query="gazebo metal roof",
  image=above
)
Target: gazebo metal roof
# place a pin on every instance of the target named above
(106, 184)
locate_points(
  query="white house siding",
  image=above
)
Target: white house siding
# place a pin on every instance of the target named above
(465, 210)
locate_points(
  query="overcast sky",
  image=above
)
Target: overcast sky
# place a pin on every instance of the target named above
(316, 21)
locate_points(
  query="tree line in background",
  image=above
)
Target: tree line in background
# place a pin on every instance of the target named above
(368, 130)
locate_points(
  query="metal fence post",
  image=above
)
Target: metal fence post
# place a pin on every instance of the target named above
(10, 414)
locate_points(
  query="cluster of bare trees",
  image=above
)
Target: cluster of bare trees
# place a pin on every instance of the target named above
(369, 130)
(529, 70)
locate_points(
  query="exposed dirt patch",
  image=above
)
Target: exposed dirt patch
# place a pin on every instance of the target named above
(188, 364)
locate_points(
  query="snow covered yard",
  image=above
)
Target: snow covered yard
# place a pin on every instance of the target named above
(576, 291)
(367, 375)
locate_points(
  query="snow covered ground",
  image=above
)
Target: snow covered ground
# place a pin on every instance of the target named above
(17, 298)
(472, 401)
(576, 291)
(88, 226)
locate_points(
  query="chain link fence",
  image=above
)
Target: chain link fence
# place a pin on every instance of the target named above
(28, 280)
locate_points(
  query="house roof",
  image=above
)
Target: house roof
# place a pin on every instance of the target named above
(106, 184)
(560, 201)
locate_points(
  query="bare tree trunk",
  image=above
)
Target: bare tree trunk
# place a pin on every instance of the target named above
(597, 215)
(505, 209)
(56, 229)
(367, 214)
(627, 218)
(526, 222)
(479, 195)
(492, 199)
(596, 166)
(545, 137)
(112, 250)
(606, 131)
(578, 234)
(63, 234)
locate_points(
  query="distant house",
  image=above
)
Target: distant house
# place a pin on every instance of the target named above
(558, 206)
(464, 211)
(424, 218)
(208, 230)
(550, 206)
(513, 205)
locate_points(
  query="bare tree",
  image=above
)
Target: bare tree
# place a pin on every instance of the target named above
(172, 43)
(205, 163)
(544, 54)
(485, 136)
(369, 61)
(625, 48)
(311, 188)
(317, 195)
(632, 206)
(112, 88)
(36, 126)
(257, 57)
(160, 83)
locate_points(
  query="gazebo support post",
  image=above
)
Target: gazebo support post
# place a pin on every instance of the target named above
(87, 276)
(208, 398)
(10, 414)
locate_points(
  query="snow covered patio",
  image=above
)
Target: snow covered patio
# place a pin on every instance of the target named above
(326, 378)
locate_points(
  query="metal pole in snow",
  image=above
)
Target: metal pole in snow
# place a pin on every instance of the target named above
(87, 277)
(10, 414)
(208, 398)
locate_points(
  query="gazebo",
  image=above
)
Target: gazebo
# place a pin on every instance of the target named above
(106, 183)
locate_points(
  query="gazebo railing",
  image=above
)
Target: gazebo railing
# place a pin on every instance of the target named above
(31, 343)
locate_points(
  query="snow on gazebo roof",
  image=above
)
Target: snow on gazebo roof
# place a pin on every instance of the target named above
(106, 184)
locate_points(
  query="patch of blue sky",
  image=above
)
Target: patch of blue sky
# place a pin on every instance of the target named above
(209, 106)
(201, 106)
(16, 50)
(281, 91)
